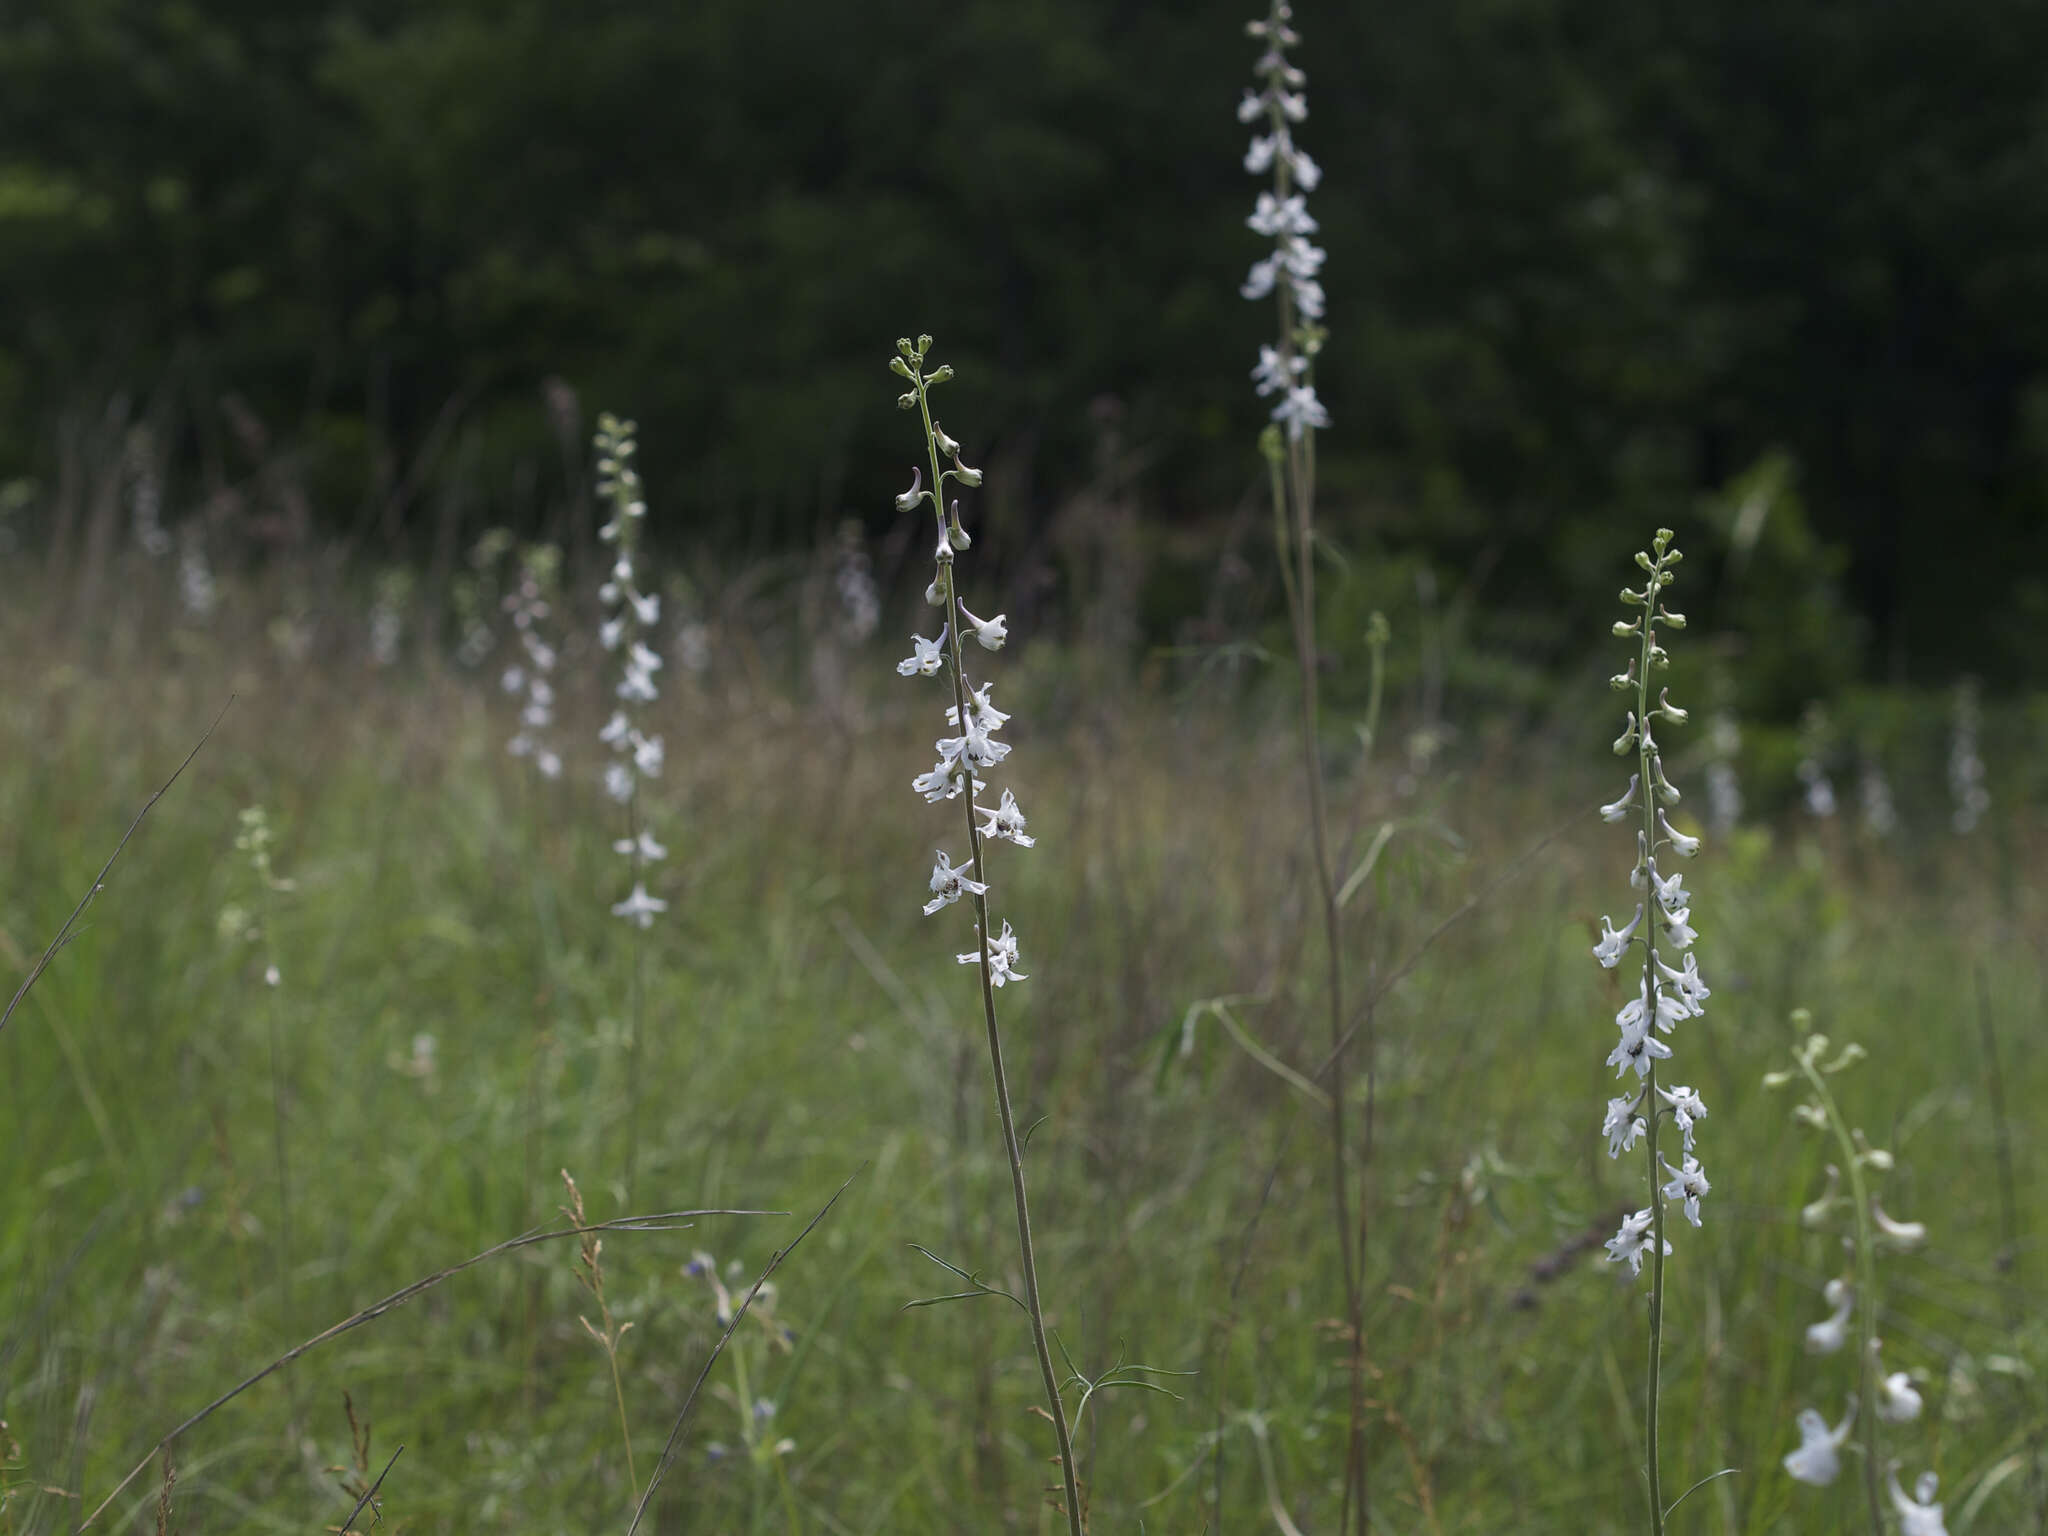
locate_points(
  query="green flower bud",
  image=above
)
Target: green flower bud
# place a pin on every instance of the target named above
(955, 534)
(1377, 630)
(907, 401)
(1666, 710)
(898, 366)
(967, 477)
(1675, 620)
(946, 444)
(1643, 559)
(903, 345)
(1622, 630)
(1272, 445)
(940, 374)
(1627, 738)
(924, 342)
(1632, 599)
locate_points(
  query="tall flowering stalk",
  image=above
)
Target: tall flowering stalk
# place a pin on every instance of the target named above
(957, 776)
(1882, 1398)
(1665, 993)
(630, 615)
(1287, 275)
(531, 679)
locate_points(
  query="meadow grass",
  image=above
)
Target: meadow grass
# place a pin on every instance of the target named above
(799, 1032)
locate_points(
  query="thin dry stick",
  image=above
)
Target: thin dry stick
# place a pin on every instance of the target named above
(659, 1221)
(675, 1434)
(64, 933)
(370, 1492)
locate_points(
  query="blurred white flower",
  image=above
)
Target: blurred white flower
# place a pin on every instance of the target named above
(1827, 1336)
(1919, 1515)
(639, 907)
(1818, 1460)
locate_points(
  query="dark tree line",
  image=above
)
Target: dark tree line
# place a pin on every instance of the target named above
(1590, 262)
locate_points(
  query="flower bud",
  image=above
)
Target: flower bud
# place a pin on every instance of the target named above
(1632, 598)
(1627, 738)
(907, 401)
(1623, 630)
(903, 345)
(1621, 682)
(1675, 620)
(924, 342)
(946, 444)
(1645, 561)
(955, 534)
(1666, 710)
(898, 366)
(915, 494)
(967, 477)
(940, 374)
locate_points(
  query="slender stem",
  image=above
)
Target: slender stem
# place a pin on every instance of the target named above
(1294, 491)
(1866, 1281)
(639, 991)
(611, 1351)
(1651, 908)
(1026, 1254)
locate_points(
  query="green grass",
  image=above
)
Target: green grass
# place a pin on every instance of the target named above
(805, 1024)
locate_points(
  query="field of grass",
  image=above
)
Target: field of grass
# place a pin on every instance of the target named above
(202, 1169)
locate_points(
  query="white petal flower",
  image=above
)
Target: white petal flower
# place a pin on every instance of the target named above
(513, 680)
(1919, 1515)
(1670, 891)
(1897, 1400)
(1685, 847)
(618, 782)
(1002, 958)
(549, 764)
(926, 656)
(636, 685)
(1818, 1460)
(1638, 1048)
(984, 713)
(616, 729)
(991, 633)
(1901, 1235)
(1829, 1335)
(1006, 822)
(1275, 371)
(610, 633)
(1687, 985)
(643, 848)
(950, 884)
(639, 907)
(1308, 298)
(1306, 172)
(1679, 930)
(1250, 108)
(1258, 159)
(1632, 1241)
(1258, 282)
(1617, 810)
(646, 608)
(1301, 411)
(1623, 1125)
(1614, 941)
(1301, 261)
(1688, 1183)
(1687, 1108)
(648, 755)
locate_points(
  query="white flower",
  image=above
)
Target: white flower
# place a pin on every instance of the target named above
(643, 658)
(1814, 1212)
(1902, 1235)
(1897, 1400)
(549, 763)
(1614, 941)
(1258, 159)
(1308, 298)
(1258, 282)
(1301, 411)
(1687, 1108)
(1002, 958)
(1274, 216)
(616, 729)
(513, 680)
(990, 632)
(1670, 892)
(950, 884)
(1678, 928)
(1622, 1125)
(1818, 1460)
(1306, 172)
(926, 656)
(1638, 1048)
(1827, 1336)
(1632, 1241)
(1302, 261)
(646, 608)
(985, 715)
(1616, 810)
(1275, 371)
(639, 907)
(1688, 1183)
(1687, 985)
(643, 848)
(1006, 821)
(1685, 847)
(1919, 1515)
(648, 755)
(271, 976)
(610, 633)
(1251, 106)
(618, 782)
(636, 686)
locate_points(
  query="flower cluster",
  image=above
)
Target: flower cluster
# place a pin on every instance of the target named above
(1851, 1298)
(629, 619)
(529, 607)
(1666, 994)
(1281, 215)
(972, 718)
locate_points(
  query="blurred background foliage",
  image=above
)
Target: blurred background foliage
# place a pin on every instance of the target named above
(1775, 275)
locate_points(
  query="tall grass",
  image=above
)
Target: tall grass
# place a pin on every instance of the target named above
(442, 889)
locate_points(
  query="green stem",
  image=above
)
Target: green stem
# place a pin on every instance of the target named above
(1011, 1147)
(1866, 1284)
(1651, 908)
